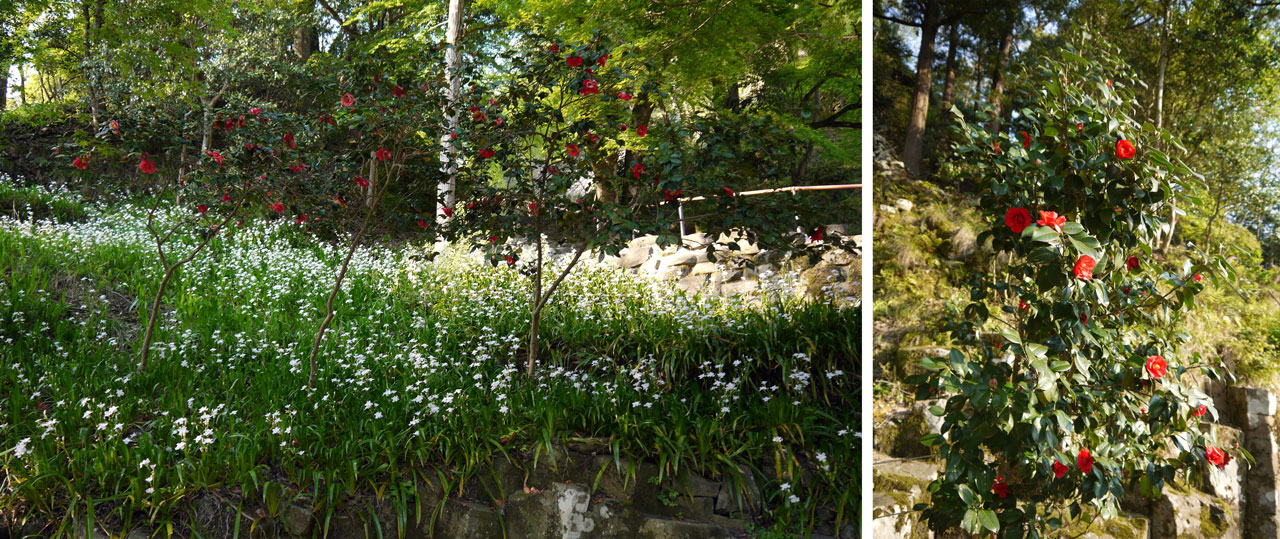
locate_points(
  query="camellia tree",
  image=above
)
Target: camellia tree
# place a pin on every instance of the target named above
(550, 157)
(1075, 388)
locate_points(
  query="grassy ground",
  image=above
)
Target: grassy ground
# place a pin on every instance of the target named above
(420, 370)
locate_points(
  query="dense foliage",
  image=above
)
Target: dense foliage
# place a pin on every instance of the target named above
(1078, 387)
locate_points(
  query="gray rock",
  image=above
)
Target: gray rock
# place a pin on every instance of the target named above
(838, 257)
(661, 528)
(642, 242)
(683, 257)
(736, 288)
(704, 268)
(887, 209)
(632, 257)
(298, 520)
(692, 283)
(904, 204)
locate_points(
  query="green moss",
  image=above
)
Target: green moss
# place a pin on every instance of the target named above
(899, 487)
(1211, 526)
(1121, 527)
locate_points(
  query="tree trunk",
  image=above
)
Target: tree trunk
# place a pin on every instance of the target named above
(1164, 62)
(997, 80)
(452, 62)
(4, 84)
(89, 71)
(913, 146)
(949, 87)
(22, 83)
(305, 37)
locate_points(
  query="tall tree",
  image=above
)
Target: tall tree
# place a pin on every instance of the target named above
(929, 19)
(452, 62)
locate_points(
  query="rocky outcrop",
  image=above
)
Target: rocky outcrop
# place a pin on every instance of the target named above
(584, 494)
(740, 268)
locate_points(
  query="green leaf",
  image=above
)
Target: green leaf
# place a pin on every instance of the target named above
(989, 520)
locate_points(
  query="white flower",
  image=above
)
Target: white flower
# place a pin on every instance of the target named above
(794, 499)
(785, 487)
(21, 450)
(822, 457)
(777, 439)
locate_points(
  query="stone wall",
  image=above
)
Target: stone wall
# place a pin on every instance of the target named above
(746, 270)
(583, 495)
(1232, 503)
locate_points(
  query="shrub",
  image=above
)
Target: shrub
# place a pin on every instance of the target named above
(1077, 387)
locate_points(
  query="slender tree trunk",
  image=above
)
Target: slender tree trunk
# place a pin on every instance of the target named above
(948, 87)
(913, 146)
(346, 263)
(22, 83)
(997, 80)
(535, 301)
(1163, 65)
(90, 72)
(4, 84)
(447, 190)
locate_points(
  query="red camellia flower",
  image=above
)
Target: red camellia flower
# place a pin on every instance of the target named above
(1200, 411)
(637, 170)
(1017, 219)
(383, 154)
(448, 212)
(278, 207)
(1124, 149)
(1132, 263)
(573, 61)
(1052, 220)
(348, 100)
(1084, 267)
(398, 91)
(215, 155)
(623, 127)
(624, 96)
(601, 60)
(361, 181)
(1197, 277)
(573, 149)
(818, 234)
(642, 130)
(510, 261)
(996, 145)
(1059, 469)
(1085, 461)
(729, 191)
(422, 223)
(302, 218)
(1216, 457)
(80, 163)
(486, 153)
(1000, 488)
(257, 111)
(226, 197)
(1026, 140)
(146, 166)
(1156, 367)
(298, 167)
(589, 87)
(554, 48)
(533, 208)
(288, 140)
(1022, 304)
(115, 126)
(201, 208)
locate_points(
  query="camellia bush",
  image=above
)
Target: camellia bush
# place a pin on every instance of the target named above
(1068, 385)
(553, 155)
